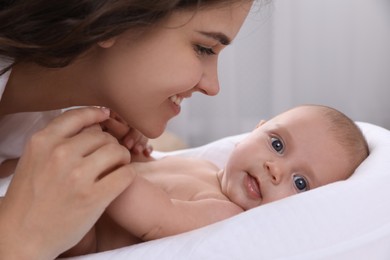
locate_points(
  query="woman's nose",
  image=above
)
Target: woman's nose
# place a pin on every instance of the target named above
(209, 83)
(275, 172)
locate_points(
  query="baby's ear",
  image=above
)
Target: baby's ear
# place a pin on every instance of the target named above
(262, 122)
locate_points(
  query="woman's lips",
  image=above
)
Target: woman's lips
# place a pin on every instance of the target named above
(253, 187)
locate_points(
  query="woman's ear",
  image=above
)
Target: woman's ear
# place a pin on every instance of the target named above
(107, 43)
(262, 122)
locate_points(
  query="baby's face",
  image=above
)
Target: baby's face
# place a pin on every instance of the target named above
(291, 153)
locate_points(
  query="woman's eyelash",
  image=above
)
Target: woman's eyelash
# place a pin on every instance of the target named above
(201, 50)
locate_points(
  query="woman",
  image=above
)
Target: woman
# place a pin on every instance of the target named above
(139, 58)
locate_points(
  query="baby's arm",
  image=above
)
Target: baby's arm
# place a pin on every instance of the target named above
(146, 211)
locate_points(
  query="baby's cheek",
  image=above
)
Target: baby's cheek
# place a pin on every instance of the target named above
(278, 193)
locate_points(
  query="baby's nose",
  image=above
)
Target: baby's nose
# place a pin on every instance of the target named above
(274, 171)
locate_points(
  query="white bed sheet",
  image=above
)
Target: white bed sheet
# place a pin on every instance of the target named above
(343, 220)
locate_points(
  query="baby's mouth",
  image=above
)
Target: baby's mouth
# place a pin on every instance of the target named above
(254, 186)
(176, 99)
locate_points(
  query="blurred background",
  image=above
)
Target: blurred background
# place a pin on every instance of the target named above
(331, 52)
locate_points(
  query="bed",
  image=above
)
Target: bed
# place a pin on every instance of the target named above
(344, 220)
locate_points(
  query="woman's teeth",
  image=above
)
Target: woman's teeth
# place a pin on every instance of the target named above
(176, 99)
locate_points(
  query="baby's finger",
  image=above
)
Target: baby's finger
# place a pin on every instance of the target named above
(116, 128)
(148, 150)
(133, 138)
(141, 145)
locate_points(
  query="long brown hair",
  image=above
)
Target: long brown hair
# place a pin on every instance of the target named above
(53, 33)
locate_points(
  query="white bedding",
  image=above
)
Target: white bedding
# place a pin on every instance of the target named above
(343, 220)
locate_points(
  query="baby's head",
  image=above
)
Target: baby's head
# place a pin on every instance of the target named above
(346, 133)
(301, 149)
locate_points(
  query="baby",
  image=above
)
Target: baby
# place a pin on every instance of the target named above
(299, 150)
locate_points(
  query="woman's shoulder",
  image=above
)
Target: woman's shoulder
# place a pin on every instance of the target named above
(17, 129)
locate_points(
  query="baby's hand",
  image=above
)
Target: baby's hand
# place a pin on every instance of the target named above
(130, 137)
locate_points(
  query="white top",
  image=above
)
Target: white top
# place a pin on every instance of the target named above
(16, 129)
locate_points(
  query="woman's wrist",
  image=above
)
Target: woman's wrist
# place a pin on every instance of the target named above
(20, 249)
(20, 243)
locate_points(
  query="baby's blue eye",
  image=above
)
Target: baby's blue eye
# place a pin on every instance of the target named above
(300, 183)
(277, 144)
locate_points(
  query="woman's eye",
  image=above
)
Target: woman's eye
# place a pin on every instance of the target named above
(277, 145)
(300, 183)
(201, 50)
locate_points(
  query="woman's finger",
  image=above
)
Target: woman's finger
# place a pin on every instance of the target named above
(114, 183)
(72, 121)
(103, 161)
(116, 125)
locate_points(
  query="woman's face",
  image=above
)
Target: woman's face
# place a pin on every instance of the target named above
(144, 77)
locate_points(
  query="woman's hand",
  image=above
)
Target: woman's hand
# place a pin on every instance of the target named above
(130, 137)
(68, 174)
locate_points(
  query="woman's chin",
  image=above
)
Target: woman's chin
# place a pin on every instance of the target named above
(153, 131)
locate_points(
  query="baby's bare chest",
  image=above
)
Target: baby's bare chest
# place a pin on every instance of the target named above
(183, 178)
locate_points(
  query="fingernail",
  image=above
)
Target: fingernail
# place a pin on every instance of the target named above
(129, 143)
(139, 148)
(105, 110)
(148, 150)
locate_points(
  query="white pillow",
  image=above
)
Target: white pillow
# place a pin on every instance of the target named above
(343, 220)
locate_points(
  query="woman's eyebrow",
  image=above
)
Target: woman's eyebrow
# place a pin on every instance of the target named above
(222, 38)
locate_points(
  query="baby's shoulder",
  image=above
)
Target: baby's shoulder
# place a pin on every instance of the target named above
(176, 165)
(188, 162)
